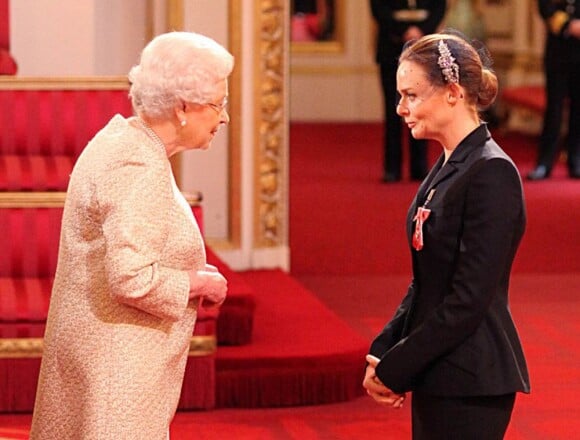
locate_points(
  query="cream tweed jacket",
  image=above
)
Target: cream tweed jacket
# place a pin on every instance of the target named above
(119, 323)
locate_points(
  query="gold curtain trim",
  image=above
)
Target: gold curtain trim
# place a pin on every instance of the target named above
(17, 348)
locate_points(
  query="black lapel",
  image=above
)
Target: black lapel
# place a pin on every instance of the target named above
(427, 183)
(476, 139)
(440, 172)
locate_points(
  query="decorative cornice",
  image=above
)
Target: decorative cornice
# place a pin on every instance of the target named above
(17, 348)
(270, 123)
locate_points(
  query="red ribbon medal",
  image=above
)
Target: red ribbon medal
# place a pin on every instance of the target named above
(420, 218)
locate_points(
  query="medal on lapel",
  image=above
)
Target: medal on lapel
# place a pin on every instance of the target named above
(420, 218)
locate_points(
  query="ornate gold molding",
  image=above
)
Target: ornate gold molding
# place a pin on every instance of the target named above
(17, 348)
(270, 122)
(235, 126)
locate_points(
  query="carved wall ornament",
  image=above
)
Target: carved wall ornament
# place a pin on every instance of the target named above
(271, 125)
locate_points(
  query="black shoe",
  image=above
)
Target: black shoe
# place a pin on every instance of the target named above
(391, 177)
(541, 172)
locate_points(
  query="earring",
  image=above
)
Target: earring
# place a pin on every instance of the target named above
(183, 122)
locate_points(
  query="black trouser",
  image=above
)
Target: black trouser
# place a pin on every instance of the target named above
(461, 418)
(561, 83)
(393, 130)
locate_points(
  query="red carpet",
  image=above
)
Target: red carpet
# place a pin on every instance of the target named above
(344, 220)
(301, 352)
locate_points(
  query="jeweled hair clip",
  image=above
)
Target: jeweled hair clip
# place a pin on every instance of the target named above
(449, 68)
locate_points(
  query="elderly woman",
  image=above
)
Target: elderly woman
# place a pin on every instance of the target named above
(132, 270)
(452, 341)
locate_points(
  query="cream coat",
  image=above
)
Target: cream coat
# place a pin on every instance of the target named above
(119, 324)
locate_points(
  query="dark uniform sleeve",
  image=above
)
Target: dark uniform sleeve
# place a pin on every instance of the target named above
(557, 20)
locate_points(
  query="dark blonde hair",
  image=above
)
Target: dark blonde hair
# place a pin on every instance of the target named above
(475, 74)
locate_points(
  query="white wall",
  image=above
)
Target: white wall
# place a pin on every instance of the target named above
(49, 38)
(76, 37)
(207, 171)
(341, 86)
(119, 35)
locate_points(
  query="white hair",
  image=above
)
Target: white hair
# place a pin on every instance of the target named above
(174, 67)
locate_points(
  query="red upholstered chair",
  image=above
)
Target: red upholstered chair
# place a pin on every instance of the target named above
(27, 266)
(45, 124)
(30, 223)
(30, 244)
(8, 65)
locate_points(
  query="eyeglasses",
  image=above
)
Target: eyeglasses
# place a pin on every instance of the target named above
(219, 108)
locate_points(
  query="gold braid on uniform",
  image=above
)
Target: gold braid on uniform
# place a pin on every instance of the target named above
(557, 21)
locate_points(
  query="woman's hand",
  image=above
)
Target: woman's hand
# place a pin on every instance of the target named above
(377, 390)
(208, 285)
(211, 268)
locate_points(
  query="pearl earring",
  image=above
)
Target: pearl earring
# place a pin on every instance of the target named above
(183, 122)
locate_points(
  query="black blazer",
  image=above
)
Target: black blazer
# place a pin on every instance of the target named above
(453, 333)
